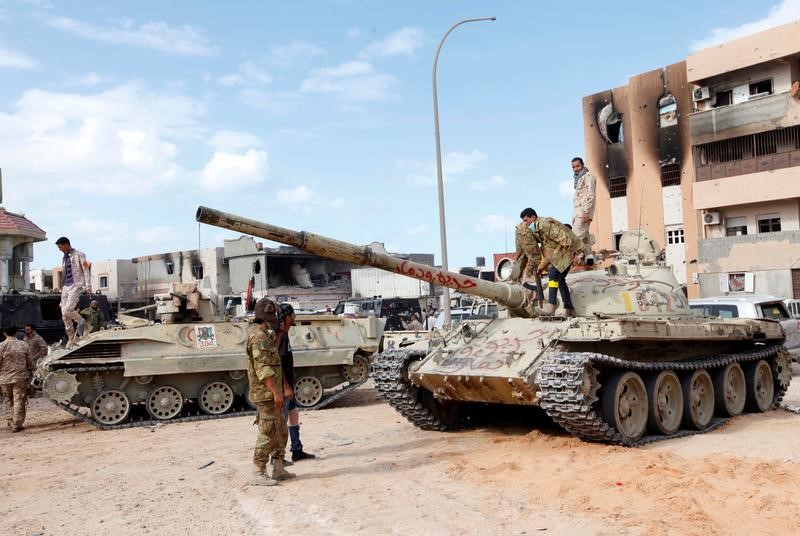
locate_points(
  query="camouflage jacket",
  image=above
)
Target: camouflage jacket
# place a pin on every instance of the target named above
(263, 362)
(528, 253)
(81, 269)
(13, 361)
(37, 348)
(583, 202)
(559, 244)
(94, 318)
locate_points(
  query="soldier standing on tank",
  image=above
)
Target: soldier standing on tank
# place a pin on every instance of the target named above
(77, 279)
(529, 255)
(94, 317)
(583, 206)
(37, 348)
(14, 364)
(266, 388)
(560, 247)
(286, 319)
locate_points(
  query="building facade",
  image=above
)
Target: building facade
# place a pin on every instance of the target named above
(705, 155)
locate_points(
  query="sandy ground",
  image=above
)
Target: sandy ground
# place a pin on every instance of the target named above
(377, 474)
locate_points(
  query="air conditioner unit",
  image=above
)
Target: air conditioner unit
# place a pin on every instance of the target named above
(701, 93)
(712, 217)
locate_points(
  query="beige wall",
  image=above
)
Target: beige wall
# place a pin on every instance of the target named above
(744, 52)
(743, 189)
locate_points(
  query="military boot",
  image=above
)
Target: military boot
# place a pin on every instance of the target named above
(547, 310)
(278, 472)
(259, 478)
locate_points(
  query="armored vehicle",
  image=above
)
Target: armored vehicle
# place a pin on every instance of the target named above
(633, 366)
(191, 367)
(18, 308)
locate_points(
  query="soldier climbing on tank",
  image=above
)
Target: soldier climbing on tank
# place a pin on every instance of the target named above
(528, 257)
(267, 386)
(286, 319)
(560, 248)
(77, 279)
(583, 206)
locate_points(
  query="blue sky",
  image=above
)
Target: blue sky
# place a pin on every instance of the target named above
(118, 119)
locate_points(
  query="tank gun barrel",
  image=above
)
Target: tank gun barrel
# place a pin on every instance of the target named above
(512, 296)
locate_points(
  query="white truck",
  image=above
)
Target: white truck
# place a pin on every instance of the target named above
(766, 307)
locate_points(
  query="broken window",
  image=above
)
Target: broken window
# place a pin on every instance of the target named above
(761, 89)
(617, 187)
(671, 175)
(736, 226)
(667, 111)
(724, 98)
(197, 271)
(170, 268)
(770, 223)
(257, 267)
(610, 124)
(615, 238)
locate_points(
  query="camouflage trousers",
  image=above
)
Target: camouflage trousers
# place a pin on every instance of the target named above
(14, 401)
(69, 308)
(581, 230)
(272, 434)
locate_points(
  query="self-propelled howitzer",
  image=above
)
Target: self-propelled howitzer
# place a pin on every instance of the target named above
(633, 366)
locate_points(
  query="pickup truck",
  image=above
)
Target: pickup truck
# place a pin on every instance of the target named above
(767, 307)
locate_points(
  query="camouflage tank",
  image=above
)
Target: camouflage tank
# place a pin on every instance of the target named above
(633, 366)
(185, 368)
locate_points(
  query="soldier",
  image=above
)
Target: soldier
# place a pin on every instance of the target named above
(37, 348)
(94, 317)
(414, 324)
(286, 318)
(14, 376)
(583, 206)
(560, 247)
(528, 257)
(266, 393)
(77, 279)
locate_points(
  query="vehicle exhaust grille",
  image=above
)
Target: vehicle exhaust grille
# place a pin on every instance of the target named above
(112, 350)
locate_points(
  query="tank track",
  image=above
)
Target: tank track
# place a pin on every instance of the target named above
(389, 374)
(563, 392)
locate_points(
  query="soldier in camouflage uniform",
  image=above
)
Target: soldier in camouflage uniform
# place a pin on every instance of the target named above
(560, 248)
(37, 348)
(528, 257)
(266, 393)
(583, 206)
(93, 316)
(14, 376)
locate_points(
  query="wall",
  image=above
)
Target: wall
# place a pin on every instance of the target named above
(372, 282)
(241, 255)
(745, 189)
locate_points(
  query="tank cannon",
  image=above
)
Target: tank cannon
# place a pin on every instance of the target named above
(633, 366)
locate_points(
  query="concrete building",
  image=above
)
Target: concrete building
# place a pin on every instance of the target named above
(41, 279)
(705, 154)
(17, 236)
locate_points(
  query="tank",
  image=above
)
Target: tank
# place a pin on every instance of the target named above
(190, 368)
(633, 366)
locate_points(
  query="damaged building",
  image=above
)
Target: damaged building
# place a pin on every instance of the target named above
(705, 155)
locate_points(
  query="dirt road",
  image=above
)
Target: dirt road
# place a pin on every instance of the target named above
(377, 474)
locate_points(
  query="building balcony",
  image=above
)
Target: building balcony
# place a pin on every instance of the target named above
(757, 115)
(762, 251)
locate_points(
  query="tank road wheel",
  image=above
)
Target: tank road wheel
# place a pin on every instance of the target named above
(666, 402)
(307, 391)
(698, 399)
(111, 407)
(760, 385)
(357, 372)
(164, 402)
(730, 390)
(624, 401)
(215, 398)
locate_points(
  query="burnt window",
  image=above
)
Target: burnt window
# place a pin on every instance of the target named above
(761, 88)
(170, 268)
(617, 187)
(769, 224)
(671, 175)
(197, 271)
(724, 98)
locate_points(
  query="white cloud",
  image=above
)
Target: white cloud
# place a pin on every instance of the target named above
(300, 194)
(248, 74)
(492, 223)
(183, 40)
(416, 230)
(91, 79)
(404, 41)
(122, 141)
(783, 13)
(495, 181)
(16, 60)
(566, 189)
(233, 140)
(106, 232)
(294, 52)
(352, 80)
(232, 171)
(453, 164)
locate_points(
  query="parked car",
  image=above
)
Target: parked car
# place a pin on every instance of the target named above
(479, 309)
(767, 307)
(394, 310)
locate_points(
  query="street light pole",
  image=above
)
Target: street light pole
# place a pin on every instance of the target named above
(439, 180)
